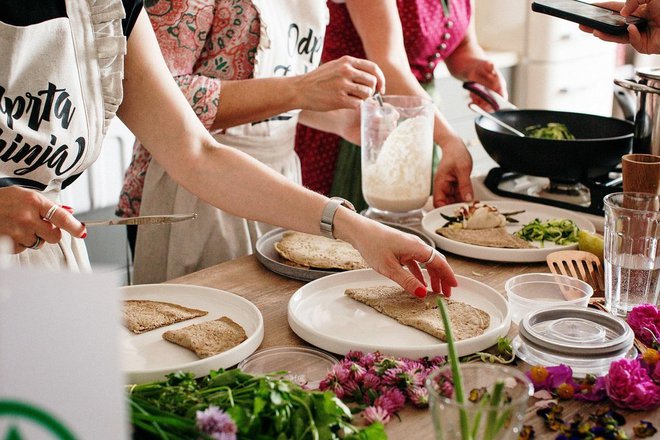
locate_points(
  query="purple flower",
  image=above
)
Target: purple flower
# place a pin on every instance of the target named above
(373, 414)
(561, 374)
(645, 323)
(351, 388)
(391, 400)
(216, 423)
(354, 356)
(592, 392)
(369, 359)
(370, 381)
(655, 372)
(628, 385)
(392, 376)
(357, 371)
(419, 396)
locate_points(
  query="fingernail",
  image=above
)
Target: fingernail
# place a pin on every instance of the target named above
(420, 292)
(84, 234)
(67, 208)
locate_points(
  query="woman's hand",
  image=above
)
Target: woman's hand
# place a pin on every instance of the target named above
(451, 183)
(485, 73)
(647, 41)
(388, 251)
(30, 219)
(342, 83)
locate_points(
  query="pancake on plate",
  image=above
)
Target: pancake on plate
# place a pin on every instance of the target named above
(493, 237)
(208, 338)
(423, 314)
(143, 315)
(319, 252)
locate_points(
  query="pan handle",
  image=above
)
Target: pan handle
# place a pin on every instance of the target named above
(493, 98)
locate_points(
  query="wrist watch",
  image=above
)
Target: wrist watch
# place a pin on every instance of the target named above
(328, 216)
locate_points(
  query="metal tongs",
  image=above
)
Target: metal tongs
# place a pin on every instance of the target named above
(143, 220)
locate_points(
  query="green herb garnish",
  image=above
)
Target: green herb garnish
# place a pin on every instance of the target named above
(561, 232)
(552, 130)
(260, 406)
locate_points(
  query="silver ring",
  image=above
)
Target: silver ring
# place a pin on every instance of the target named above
(36, 243)
(430, 258)
(51, 212)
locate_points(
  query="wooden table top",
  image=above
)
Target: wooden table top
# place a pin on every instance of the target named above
(271, 292)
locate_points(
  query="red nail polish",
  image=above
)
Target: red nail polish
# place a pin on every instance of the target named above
(420, 292)
(67, 208)
(84, 235)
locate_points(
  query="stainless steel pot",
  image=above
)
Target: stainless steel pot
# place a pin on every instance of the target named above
(646, 139)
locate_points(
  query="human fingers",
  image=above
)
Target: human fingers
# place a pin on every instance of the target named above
(623, 38)
(60, 217)
(441, 275)
(374, 78)
(444, 189)
(630, 7)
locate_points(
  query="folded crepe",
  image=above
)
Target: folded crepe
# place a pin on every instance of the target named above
(423, 314)
(493, 237)
(208, 338)
(143, 315)
(319, 252)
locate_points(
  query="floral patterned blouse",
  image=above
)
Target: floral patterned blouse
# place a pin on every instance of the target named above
(203, 42)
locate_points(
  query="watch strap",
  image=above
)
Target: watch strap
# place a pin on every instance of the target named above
(327, 226)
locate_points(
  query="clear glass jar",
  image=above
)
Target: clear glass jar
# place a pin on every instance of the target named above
(397, 156)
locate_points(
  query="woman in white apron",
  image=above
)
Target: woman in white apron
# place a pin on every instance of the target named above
(59, 111)
(174, 250)
(85, 70)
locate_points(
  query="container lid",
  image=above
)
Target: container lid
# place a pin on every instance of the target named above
(567, 330)
(586, 340)
(304, 366)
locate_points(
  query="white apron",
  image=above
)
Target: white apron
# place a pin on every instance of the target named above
(61, 85)
(290, 43)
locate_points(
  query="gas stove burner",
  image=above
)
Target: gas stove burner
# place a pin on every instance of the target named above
(586, 196)
(574, 193)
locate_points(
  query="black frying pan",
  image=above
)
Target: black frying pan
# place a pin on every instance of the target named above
(598, 146)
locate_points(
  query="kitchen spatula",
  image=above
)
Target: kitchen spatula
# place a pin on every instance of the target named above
(582, 265)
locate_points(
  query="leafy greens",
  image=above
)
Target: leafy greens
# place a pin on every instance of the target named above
(263, 407)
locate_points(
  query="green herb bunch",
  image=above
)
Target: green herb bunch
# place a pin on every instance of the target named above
(263, 407)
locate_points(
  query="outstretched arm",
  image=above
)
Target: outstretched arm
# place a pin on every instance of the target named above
(158, 114)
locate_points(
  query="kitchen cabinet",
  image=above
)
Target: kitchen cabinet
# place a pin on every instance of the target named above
(560, 68)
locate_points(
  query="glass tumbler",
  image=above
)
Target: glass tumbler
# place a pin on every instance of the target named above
(397, 156)
(632, 251)
(482, 416)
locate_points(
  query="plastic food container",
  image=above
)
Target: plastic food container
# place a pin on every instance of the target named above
(535, 291)
(586, 340)
(303, 366)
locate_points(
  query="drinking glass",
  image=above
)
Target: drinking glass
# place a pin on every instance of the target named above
(397, 156)
(478, 417)
(632, 251)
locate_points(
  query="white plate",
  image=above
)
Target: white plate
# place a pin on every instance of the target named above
(433, 221)
(322, 315)
(148, 357)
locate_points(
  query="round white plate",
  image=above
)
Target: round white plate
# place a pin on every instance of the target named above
(322, 315)
(433, 221)
(148, 357)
